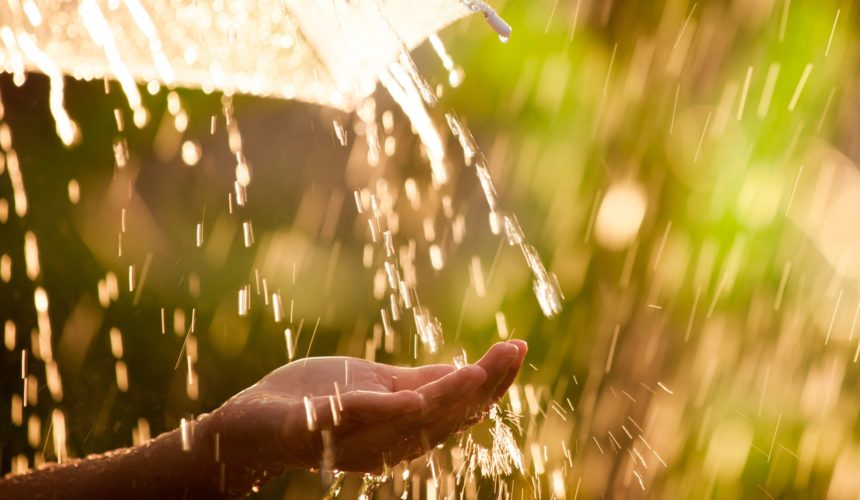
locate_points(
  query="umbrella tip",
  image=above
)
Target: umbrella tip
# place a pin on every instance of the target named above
(495, 21)
(498, 24)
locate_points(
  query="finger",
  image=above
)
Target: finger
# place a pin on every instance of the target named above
(502, 361)
(497, 359)
(523, 349)
(423, 438)
(402, 438)
(371, 407)
(452, 388)
(413, 378)
(354, 414)
(365, 448)
(496, 362)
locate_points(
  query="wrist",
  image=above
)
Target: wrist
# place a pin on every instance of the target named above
(231, 466)
(207, 455)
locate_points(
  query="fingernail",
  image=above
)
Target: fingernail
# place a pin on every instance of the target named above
(522, 348)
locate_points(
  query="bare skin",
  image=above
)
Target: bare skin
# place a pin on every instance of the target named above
(363, 415)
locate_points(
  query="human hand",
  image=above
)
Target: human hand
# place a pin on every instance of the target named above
(355, 415)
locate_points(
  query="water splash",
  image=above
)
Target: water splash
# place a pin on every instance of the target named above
(336, 485)
(67, 129)
(429, 328)
(369, 484)
(545, 284)
(504, 456)
(455, 73)
(404, 92)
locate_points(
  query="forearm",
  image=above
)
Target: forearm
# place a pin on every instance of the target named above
(159, 468)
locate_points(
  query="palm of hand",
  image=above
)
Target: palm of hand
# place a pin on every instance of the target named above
(352, 414)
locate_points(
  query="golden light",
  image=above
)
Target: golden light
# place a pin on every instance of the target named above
(620, 215)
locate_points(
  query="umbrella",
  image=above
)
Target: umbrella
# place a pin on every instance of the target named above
(329, 52)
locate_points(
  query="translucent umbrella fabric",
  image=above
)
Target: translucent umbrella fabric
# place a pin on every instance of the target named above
(328, 52)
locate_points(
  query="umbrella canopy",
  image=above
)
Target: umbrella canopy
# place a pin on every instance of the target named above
(329, 52)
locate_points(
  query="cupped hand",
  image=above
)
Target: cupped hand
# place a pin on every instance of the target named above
(355, 415)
